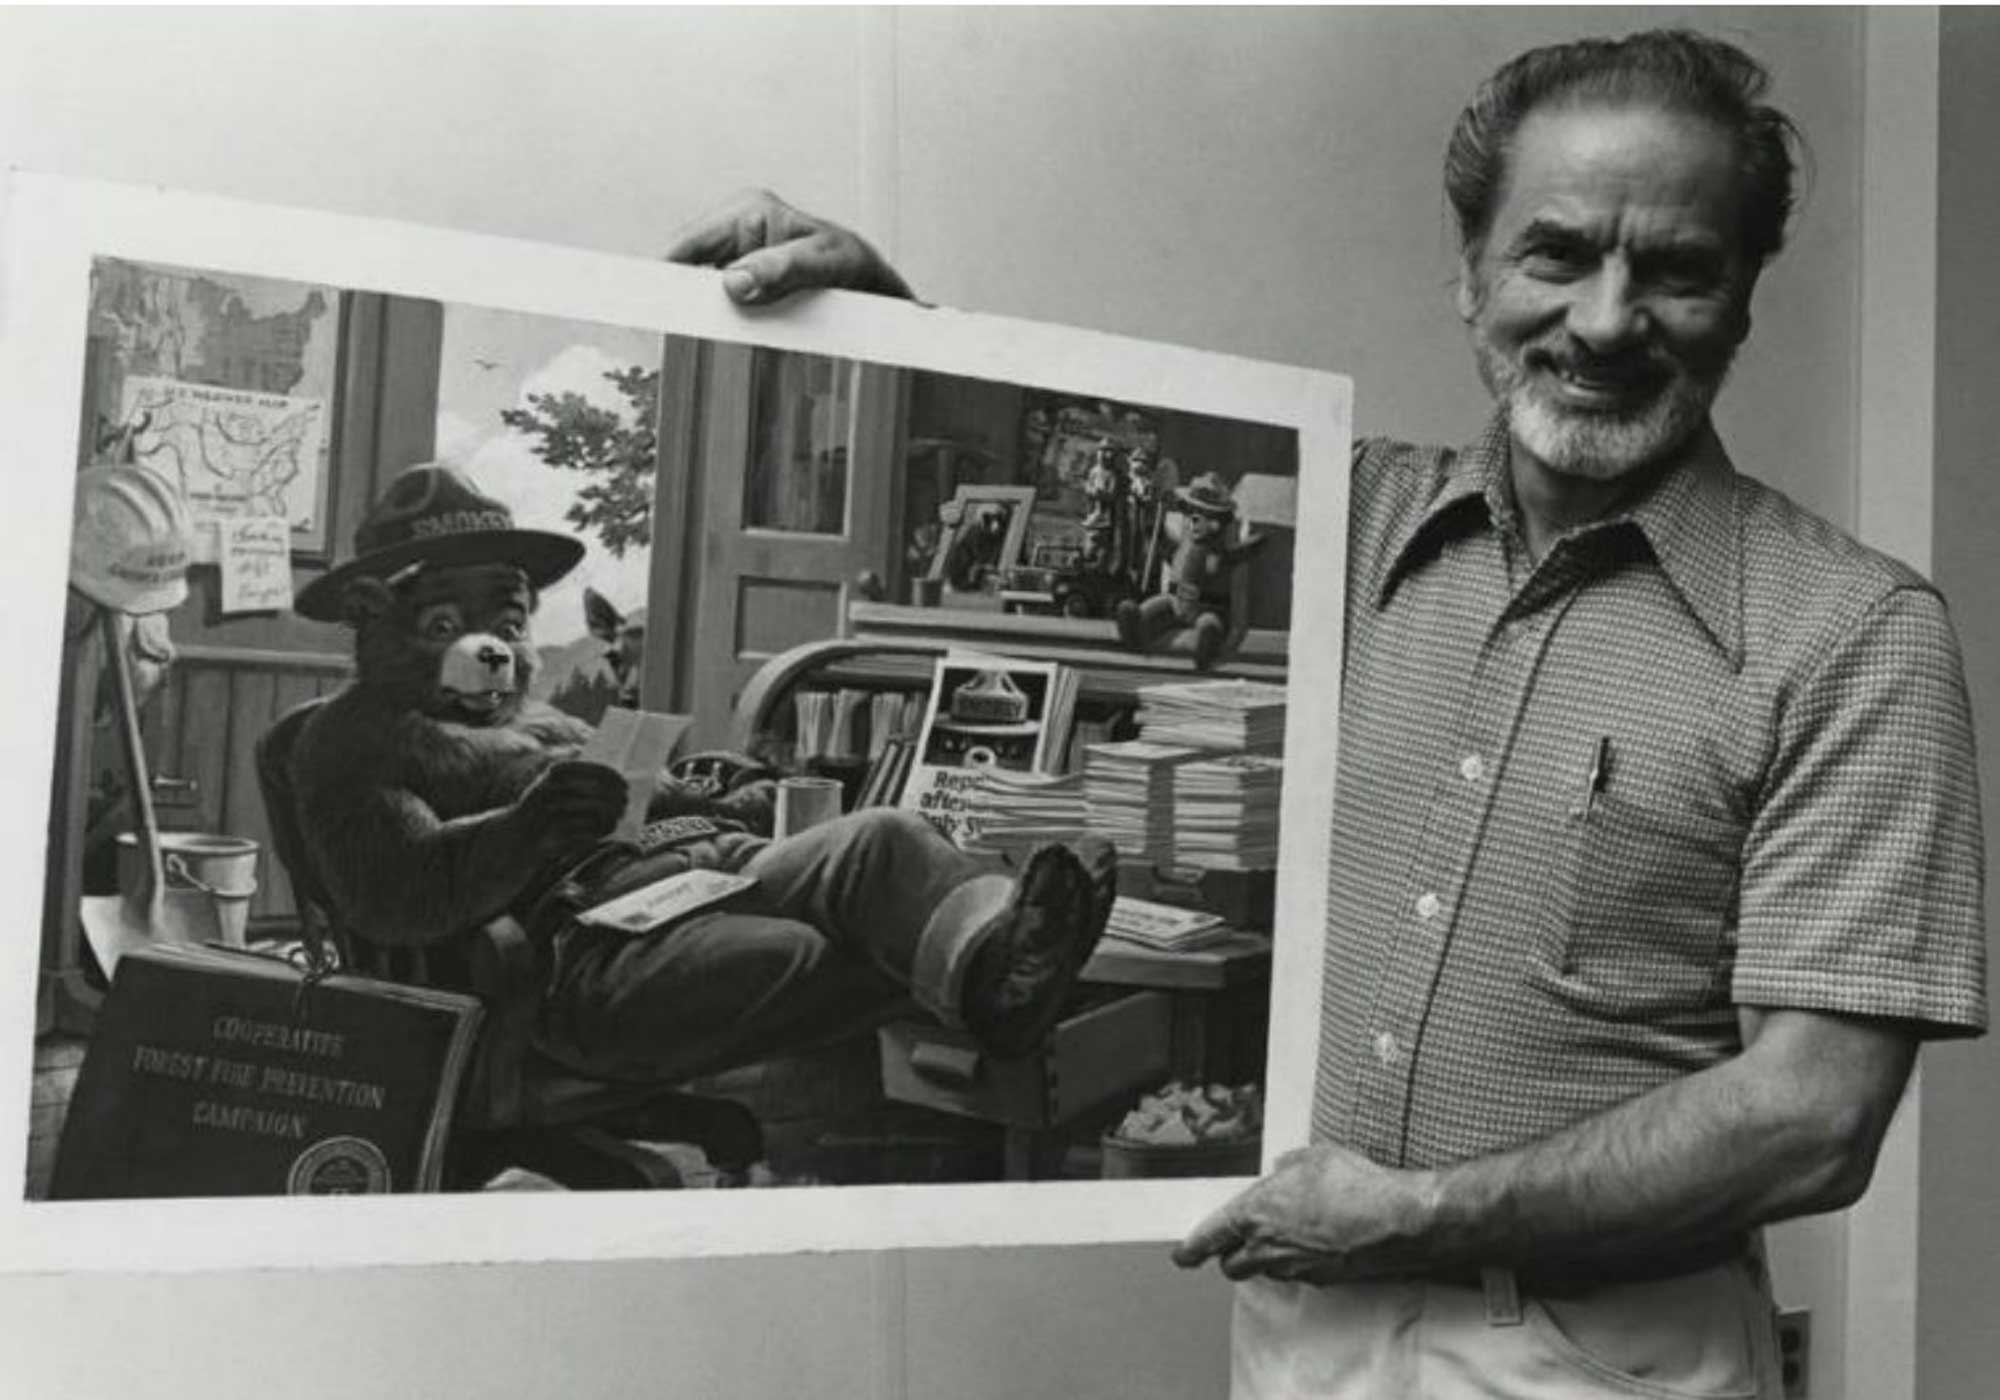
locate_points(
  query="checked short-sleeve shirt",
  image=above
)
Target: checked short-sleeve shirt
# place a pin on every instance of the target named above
(1709, 753)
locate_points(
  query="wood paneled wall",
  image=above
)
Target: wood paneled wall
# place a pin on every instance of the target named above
(203, 728)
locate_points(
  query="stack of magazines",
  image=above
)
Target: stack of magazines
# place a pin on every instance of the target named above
(1233, 715)
(1010, 813)
(1128, 796)
(1226, 812)
(1163, 927)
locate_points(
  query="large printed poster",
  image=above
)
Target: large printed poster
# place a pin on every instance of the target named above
(592, 398)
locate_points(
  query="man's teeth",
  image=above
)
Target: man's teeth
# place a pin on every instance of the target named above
(1603, 383)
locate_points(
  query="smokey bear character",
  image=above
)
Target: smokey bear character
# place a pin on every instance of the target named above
(433, 796)
(1201, 572)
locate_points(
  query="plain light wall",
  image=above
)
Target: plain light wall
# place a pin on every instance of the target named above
(1262, 182)
(1958, 1294)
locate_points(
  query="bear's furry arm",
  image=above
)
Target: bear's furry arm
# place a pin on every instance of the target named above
(410, 824)
(399, 875)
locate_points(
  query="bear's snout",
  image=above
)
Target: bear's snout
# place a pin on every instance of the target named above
(479, 664)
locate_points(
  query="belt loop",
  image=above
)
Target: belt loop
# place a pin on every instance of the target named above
(1503, 1297)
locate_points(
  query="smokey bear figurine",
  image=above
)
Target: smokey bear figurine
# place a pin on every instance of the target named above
(433, 795)
(1200, 575)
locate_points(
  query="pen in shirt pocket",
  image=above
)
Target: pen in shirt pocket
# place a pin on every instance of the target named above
(1596, 774)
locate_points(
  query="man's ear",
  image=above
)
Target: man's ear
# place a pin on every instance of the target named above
(365, 600)
(1468, 287)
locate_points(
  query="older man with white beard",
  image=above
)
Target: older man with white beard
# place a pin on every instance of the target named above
(1657, 847)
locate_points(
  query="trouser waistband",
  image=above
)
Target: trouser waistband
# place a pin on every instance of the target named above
(1556, 1279)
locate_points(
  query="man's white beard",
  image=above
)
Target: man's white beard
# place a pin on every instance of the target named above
(1596, 446)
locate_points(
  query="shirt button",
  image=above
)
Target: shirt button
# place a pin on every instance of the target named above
(1428, 906)
(1387, 1051)
(1471, 768)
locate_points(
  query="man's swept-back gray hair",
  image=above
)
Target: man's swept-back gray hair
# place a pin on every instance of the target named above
(1674, 68)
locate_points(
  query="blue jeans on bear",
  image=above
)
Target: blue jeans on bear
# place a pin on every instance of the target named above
(825, 942)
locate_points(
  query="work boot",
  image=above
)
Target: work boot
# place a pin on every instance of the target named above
(1028, 957)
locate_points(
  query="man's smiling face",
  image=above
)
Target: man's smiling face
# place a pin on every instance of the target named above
(1610, 291)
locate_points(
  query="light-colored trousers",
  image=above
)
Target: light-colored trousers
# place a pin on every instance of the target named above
(1708, 1335)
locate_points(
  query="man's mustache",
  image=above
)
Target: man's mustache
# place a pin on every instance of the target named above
(1633, 367)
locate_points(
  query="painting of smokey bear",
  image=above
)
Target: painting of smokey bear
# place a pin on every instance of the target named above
(988, 717)
(411, 718)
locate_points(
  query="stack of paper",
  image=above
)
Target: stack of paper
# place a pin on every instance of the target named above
(1226, 812)
(1232, 715)
(1163, 926)
(1009, 812)
(1128, 796)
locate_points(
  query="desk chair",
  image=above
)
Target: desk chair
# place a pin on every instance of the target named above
(517, 1106)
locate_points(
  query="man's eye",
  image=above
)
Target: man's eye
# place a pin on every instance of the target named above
(441, 629)
(510, 631)
(1554, 260)
(1687, 277)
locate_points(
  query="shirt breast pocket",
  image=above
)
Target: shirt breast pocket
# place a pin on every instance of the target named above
(1639, 907)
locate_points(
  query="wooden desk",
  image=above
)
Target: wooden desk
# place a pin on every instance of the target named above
(1146, 1017)
(1220, 998)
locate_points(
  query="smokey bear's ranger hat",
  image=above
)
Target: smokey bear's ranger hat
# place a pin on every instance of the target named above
(433, 514)
(1207, 495)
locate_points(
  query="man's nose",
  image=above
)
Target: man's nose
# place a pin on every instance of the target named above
(1606, 313)
(493, 657)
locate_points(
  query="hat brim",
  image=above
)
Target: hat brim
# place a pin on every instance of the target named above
(544, 556)
(134, 602)
(1203, 505)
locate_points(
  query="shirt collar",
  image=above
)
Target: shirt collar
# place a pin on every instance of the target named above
(1687, 518)
(1474, 477)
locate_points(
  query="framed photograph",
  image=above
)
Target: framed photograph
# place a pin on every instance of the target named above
(1062, 434)
(985, 537)
(256, 1133)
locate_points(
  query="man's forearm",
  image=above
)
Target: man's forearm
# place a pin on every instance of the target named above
(1698, 1160)
(1790, 1126)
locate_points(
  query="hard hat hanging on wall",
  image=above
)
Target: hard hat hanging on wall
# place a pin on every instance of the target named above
(130, 547)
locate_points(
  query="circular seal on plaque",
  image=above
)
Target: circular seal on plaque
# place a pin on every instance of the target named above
(339, 1166)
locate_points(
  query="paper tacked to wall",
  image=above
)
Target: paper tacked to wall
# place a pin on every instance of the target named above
(232, 452)
(256, 559)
